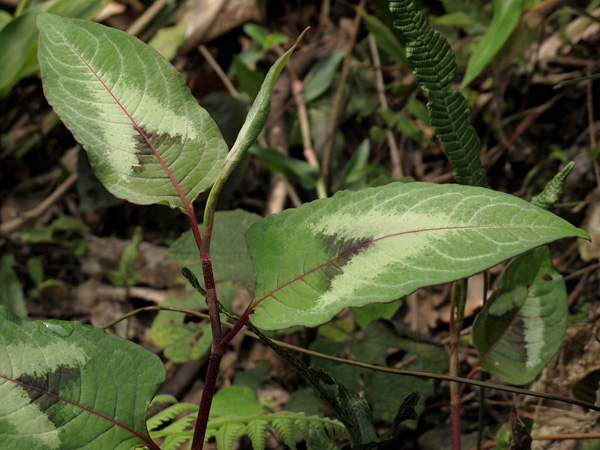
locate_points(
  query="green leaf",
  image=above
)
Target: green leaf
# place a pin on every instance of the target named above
(295, 169)
(11, 292)
(258, 114)
(5, 19)
(364, 316)
(18, 39)
(384, 37)
(230, 259)
(321, 76)
(33, 235)
(505, 19)
(168, 40)
(379, 244)
(524, 321)
(130, 110)
(383, 391)
(355, 172)
(68, 223)
(181, 341)
(68, 385)
(235, 400)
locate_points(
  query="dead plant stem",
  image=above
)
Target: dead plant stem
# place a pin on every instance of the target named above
(592, 128)
(338, 97)
(395, 155)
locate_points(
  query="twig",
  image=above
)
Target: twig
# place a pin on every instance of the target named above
(394, 151)
(391, 370)
(18, 222)
(220, 73)
(338, 97)
(592, 128)
(309, 152)
(457, 315)
(582, 271)
(146, 17)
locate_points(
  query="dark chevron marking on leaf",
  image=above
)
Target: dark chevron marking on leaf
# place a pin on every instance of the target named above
(440, 233)
(145, 141)
(355, 250)
(78, 405)
(345, 246)
(111, 90)
(51, 381)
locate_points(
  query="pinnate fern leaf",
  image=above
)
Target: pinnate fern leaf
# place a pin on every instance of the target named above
(285, 428)
(169, 414)
(256, 430)
(432, 61)
(318, 432)
(227, 433)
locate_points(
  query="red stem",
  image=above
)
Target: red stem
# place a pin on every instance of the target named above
(209, 282)
(454, 397)
(208, 393)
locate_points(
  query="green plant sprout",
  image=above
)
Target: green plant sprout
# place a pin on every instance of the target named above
(149, 142)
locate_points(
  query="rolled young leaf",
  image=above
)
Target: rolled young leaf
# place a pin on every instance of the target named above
(379, 244)
(131, 110)
(68, 385)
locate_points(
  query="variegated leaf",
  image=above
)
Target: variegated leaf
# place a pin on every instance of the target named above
(144, 132)
(379, 244)
(523, 324)
(68, 385)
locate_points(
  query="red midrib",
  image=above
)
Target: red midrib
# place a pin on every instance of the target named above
(372, 242)
(148, 442)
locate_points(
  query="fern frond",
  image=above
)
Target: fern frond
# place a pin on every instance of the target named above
(318, 432)
(227, 433)
(179, 431)
(162, 400)
(168, 414)
(256, 431)
(553, 189)
(285, 428)
(433, 64)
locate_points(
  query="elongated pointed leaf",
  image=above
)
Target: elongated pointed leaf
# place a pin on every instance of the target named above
(525, 320)
(379, 244)
(130, 110)
(506, 18)
(68, 385)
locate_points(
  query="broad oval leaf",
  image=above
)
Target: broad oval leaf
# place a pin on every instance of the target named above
(131, 111)
(379, 244)
(68, 385)
(525, 320)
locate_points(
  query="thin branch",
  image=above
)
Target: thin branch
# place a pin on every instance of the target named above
(394, 151)
(338, 97)
(146, 17)
(309, 152)
(592, 128)
(394, 371)
(18, 222)
(220, 73)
